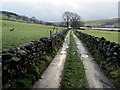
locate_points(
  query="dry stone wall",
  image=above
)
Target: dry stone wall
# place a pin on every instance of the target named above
(108, 50)
(16, 62)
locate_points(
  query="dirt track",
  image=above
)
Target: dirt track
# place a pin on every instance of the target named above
(52, 76)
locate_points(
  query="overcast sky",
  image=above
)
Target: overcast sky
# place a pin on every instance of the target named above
(52, 10)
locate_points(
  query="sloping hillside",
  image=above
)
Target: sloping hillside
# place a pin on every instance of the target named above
(11, 16)
(103, 23)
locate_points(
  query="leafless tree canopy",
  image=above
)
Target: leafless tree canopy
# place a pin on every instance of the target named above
(72, 19)
(67, 17)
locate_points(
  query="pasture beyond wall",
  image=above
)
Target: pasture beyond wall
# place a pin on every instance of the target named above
(106, 53)
(22, 66)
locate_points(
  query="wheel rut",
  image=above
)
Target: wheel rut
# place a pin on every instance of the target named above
(52, 76)
(95, 77)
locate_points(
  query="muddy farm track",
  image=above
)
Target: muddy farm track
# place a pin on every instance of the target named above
(52, 76)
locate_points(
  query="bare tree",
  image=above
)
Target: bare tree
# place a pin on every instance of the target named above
(66, 18)
(75, 20)
(72, 19)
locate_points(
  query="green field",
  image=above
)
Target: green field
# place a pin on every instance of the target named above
(23, 33)
(108, 35)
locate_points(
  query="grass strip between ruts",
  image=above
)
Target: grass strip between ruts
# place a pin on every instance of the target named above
(74, 73)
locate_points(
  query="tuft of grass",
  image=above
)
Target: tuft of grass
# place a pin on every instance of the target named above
(74, 74)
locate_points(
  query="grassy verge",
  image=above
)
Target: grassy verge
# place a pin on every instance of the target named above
(74, 74)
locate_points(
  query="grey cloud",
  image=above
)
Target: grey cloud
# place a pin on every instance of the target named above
(52, 11)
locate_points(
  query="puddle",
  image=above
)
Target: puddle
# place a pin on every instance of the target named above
(63, 52)
(84, 56)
